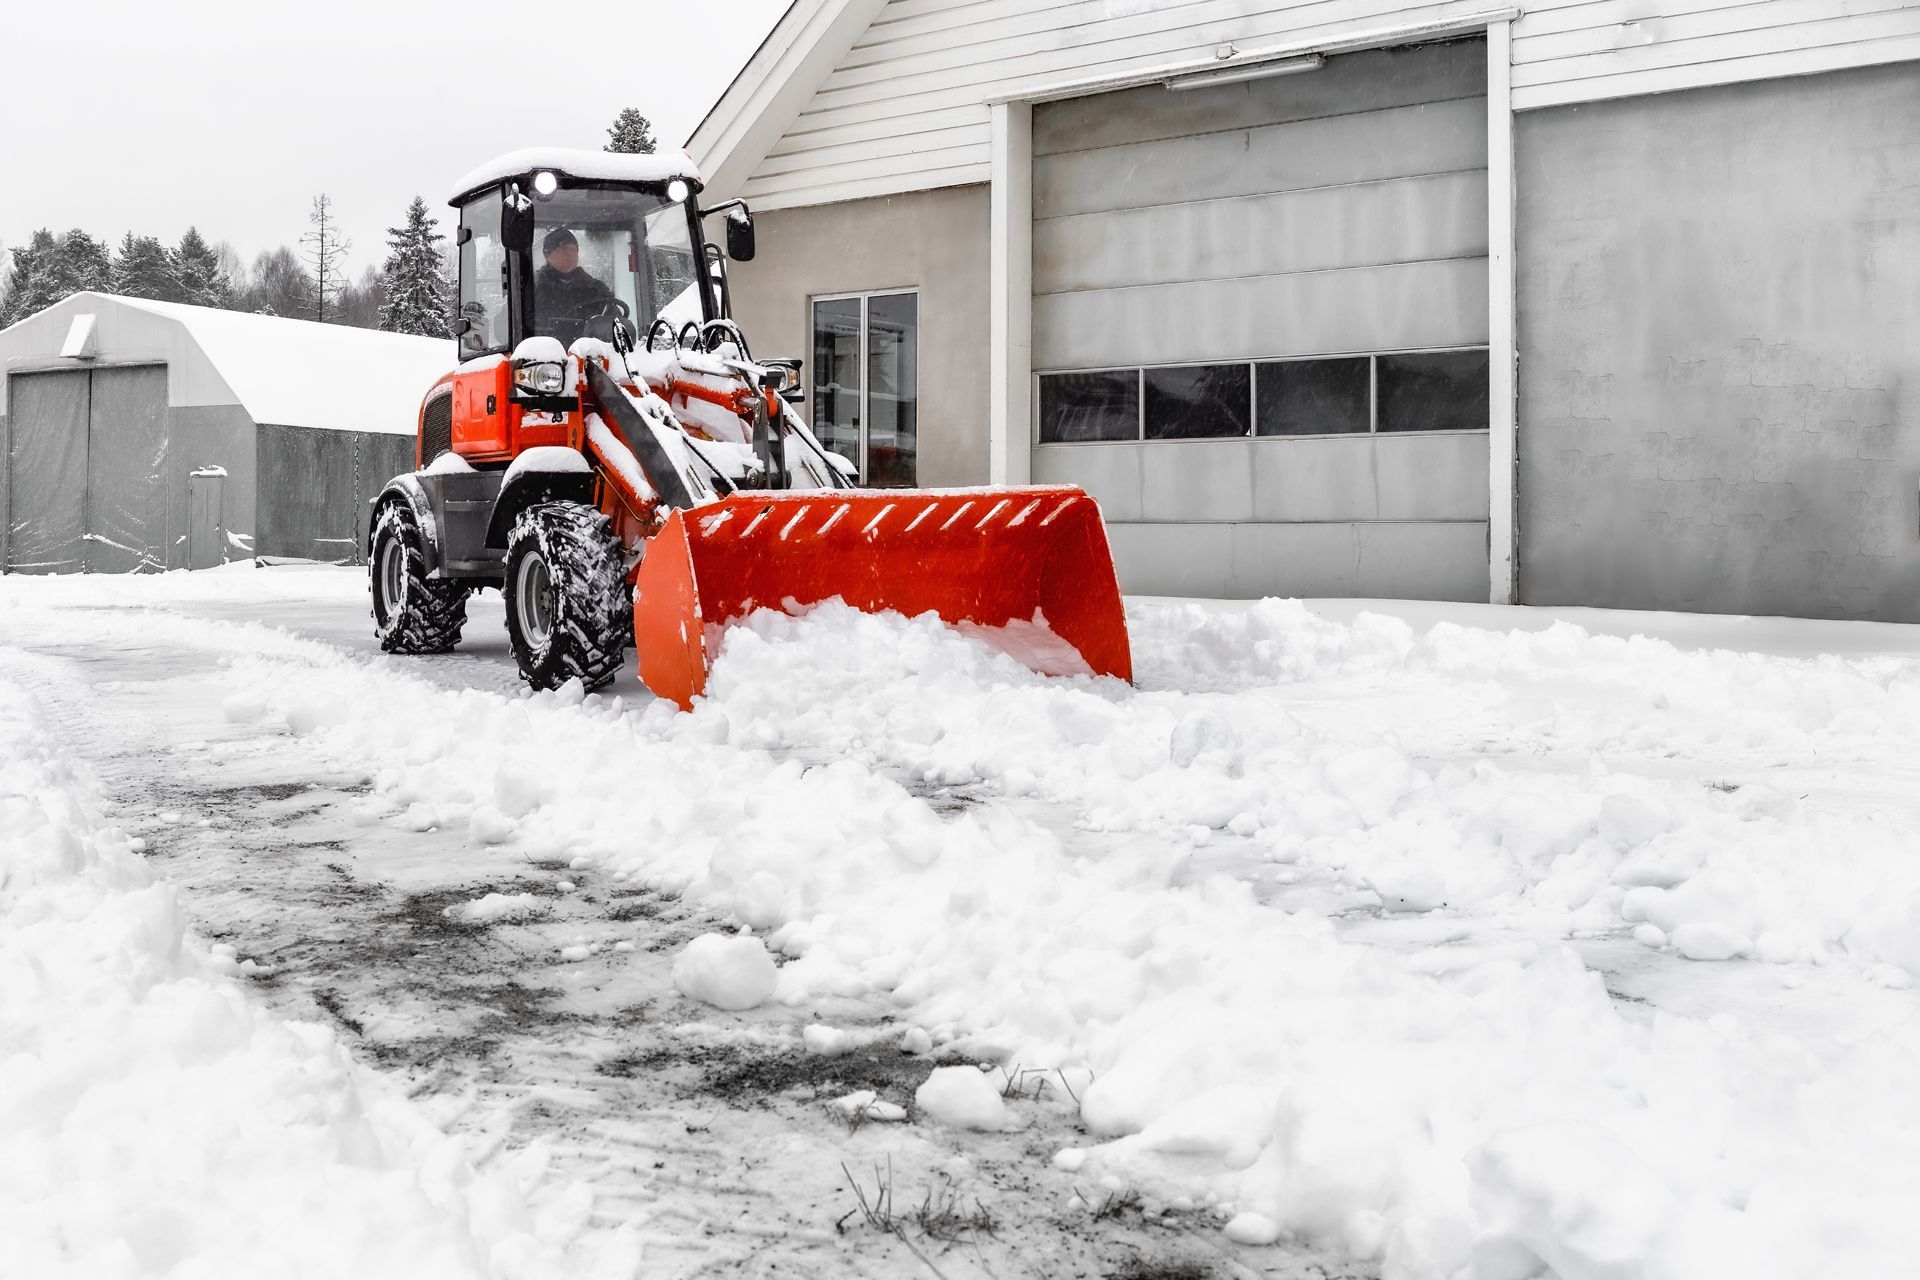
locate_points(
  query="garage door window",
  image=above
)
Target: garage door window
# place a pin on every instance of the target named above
(1077, 407)
(1433, 391)
(1314, 397)
(1401, 391)
(866, 383)
(1197, 402)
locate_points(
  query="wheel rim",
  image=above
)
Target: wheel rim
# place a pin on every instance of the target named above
(393, 565)
(533, 600)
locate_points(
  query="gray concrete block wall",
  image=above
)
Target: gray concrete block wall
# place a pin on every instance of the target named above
(1719, 342)
(932, 241)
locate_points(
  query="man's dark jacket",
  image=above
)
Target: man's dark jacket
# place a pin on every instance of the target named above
(564, 302)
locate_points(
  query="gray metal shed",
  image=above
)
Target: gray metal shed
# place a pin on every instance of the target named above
(137, 436)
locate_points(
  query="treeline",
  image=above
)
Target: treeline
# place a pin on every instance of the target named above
(409, 293)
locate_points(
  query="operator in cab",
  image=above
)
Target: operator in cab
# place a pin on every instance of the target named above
(565, 295)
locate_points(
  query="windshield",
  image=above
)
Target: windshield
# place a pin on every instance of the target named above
(605, 253)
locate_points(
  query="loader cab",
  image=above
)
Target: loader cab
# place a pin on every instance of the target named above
(642, 255)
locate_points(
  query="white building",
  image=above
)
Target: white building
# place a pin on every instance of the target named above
(1592, 301)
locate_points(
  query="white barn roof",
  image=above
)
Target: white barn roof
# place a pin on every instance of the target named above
(293, 373)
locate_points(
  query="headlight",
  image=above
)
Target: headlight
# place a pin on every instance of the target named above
(676, 191)
(543, 378)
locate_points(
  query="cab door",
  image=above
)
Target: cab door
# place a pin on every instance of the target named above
(482, 413)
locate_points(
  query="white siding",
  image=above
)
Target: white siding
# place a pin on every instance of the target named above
(906, 107)
(1581, 50)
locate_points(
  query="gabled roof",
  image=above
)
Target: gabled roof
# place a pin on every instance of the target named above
(300, 373)
(291, 373)
(778, 81)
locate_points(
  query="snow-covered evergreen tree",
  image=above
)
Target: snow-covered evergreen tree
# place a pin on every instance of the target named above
(86, 263)
(203, 282)
(631, 133)
(416, 300)
(50, 269)
(145, 269)
(14, 301)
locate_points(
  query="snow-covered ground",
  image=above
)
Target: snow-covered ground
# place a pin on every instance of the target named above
(1449, 940)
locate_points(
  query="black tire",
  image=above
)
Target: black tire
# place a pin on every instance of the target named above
(411, 613)
(568, 604)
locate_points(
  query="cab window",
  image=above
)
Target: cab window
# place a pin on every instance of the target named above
(482, 323)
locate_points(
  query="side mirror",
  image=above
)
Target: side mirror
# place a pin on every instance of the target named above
(740, 236)
(516, 221)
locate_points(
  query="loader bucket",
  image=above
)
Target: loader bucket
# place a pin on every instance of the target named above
(1008, 558)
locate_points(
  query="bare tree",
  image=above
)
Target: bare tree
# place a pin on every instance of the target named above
(323, 247)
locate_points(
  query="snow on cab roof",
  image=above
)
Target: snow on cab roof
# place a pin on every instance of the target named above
(593, 166)
(300, 373)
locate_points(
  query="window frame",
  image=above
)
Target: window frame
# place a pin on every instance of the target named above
(865, 298)
(1253, 364)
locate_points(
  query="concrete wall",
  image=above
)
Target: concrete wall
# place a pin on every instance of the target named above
(1719, 337)
(932, 241)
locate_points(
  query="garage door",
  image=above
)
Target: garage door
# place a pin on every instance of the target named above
(1260, 325)
(86, 483)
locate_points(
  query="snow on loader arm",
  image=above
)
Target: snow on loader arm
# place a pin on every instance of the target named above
(664, 490)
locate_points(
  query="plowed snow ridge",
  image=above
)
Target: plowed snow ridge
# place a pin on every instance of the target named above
(1324, 912)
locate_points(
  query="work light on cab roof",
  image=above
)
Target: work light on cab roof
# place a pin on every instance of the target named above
(611, 456)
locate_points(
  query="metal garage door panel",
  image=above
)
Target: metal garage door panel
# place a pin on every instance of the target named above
(128, 522)
(1401, 220)
(1351, 82)
(47, 472)
(1439, 137)
(1392, 308)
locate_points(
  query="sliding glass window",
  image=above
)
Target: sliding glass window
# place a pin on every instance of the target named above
(866, 383)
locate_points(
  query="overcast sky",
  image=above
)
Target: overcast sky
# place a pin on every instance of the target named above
(230, 116)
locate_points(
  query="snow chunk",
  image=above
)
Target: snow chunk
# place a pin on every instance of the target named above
(448, 464)
(1252, 1228)
(1706, 940)
(866, 1103)
(490, 826)
(725, 970)
(965, 1098)
(828, 1042)
(496, 908)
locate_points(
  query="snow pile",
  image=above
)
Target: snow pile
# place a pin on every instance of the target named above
(153, 1122)
(1466, 1100)
(725, 970)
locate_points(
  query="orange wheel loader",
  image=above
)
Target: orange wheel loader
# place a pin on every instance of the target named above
(609, 455)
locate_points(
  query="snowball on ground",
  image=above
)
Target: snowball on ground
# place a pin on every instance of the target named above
(726, 970)
(965, 1098)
